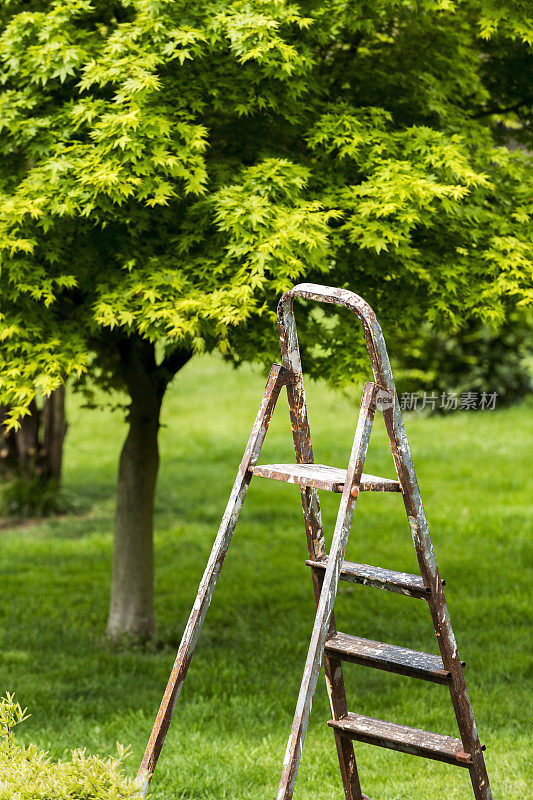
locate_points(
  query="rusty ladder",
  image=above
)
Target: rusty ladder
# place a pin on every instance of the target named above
(327, 643)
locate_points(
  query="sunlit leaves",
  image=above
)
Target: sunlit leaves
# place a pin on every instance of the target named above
(168, 168)
(27, 773)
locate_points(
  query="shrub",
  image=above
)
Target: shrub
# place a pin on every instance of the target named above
(33, 497)
(27, 773)
(473, 358)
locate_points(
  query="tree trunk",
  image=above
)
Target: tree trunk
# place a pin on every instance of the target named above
(54, 430)
(35, 450)
(131, 612)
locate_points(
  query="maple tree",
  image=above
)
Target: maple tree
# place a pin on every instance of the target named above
(168, 169)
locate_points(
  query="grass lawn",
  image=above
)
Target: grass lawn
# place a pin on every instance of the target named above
(232, 721)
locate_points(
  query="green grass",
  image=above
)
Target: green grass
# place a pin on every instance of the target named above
(232, 721)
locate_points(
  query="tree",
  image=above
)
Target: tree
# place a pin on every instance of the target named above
(446, 364)
(168, 169)
(31, 457)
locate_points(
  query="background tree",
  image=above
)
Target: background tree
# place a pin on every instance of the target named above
(168, 169)
(31, 457)
(473, 358)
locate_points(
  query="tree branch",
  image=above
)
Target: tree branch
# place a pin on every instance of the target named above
(489, 111)
(175, 360)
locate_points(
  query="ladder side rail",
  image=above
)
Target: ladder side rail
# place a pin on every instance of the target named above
(327, 596)
(277, 378)
(316, 546)
(437, 602)
(339, 708)
(301, 432)
(373, 334)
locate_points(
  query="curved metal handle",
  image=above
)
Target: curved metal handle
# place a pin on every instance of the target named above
(375, 341)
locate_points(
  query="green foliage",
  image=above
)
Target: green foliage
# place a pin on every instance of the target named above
(473, 358)
(167, 169)
(27, 773)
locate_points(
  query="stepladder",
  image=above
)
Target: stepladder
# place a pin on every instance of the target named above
(329, 647)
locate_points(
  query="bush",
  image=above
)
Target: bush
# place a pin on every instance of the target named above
(27, 773)
(473, 358)
(33, 496)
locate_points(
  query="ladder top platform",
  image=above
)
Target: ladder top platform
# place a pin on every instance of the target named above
(321, 476)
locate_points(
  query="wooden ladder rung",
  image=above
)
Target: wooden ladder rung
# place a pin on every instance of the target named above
(388, 579)
(389, 657)
(402, 738)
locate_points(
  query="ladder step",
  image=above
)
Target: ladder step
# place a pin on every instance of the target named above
(365, 574)
(389, 657)
(402, 738)
(320, 476)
